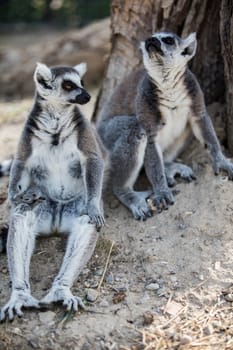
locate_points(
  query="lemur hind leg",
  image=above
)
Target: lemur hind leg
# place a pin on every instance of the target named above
(127, 140)
(80, 246)
(23, 229)
(174, 169)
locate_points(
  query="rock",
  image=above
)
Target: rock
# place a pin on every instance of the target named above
(173, 278)
(99, 272)
(152, 286)
(186, 339)
(104, 303)
(109, 278)
(47, 317)
(92, 295)
(148, 318)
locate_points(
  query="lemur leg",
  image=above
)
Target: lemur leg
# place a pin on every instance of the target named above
(127, 157)
(23, 229)
(20, 245)
(80, 246)
(173, 169)
(162, 196)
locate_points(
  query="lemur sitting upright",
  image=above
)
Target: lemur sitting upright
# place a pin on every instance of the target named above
(55, 185)
(148, 120)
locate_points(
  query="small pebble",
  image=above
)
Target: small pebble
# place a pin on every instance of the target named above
(208, 330)
(148, 318)
(186, 339)
(152, 286)
(104, 303)
(182, 226)
(92, 295)
(201, 277)
(173, 278)
(99, 272)
(109, 278)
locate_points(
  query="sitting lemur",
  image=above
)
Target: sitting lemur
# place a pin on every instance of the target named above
(148, 120)
(55, 186)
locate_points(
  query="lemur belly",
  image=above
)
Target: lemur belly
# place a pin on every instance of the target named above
(58, 169)
(174, 130)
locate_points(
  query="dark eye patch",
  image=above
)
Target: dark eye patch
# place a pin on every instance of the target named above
(43, 82)
(168, 40)
(68, 85)
(82, 82)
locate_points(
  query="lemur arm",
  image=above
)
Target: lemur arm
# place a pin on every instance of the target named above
(203, 130)
(19, 180)
(94, 180)
(153, 162)
(93, 174)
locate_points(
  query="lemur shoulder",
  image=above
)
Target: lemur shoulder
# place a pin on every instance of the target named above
(55, 185)
(148, 120)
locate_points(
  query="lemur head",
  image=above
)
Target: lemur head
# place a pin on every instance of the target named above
(168, 51)
(61, 85)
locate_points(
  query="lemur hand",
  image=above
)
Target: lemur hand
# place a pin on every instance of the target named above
(31, 195)
(162, 198)
(96, 216)
(222, 163)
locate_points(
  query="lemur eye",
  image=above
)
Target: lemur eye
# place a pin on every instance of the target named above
(168, 40)
(69, 85)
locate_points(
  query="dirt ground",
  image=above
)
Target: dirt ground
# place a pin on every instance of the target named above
(166, 282)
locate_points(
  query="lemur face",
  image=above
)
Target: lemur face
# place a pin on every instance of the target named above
(168, 50)
(62, 85)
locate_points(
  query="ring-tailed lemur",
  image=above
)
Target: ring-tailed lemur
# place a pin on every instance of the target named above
(148, 120)
(55, 185)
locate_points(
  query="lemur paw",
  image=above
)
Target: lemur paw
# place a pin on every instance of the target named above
(224, 164)
(182, 170)
(63, 294)
(18, 299)
(141, 210)
(32, 195)
(162, 198)
(96, 217)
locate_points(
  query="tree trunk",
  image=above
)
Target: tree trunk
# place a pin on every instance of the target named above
(133, 21)
(226, 30)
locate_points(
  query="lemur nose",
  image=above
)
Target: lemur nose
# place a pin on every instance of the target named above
(86, 97)
(153, 41)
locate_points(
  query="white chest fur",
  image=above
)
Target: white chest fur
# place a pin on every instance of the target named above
(175, 110)
(58, 168)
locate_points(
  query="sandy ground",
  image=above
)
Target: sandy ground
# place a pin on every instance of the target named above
(182, 258)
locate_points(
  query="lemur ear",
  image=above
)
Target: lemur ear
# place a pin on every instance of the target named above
(189, 45)
(81, 68)
(43, 74)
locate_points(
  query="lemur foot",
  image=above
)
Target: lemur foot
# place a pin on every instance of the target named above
(18, 299)
(182, 170)
(63, 294)
(162, 198)
(222, 163)
(135, 202)
(141, 210)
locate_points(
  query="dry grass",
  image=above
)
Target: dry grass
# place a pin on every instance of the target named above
(206, 328)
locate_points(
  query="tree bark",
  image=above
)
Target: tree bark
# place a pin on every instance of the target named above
(133, 21)
(226, 30)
